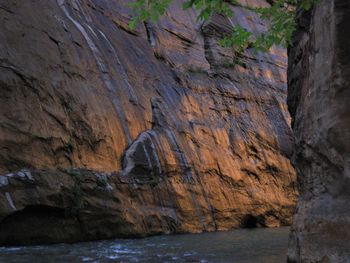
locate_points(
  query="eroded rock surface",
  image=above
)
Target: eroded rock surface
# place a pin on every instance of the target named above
(319, 102)
(163, 131)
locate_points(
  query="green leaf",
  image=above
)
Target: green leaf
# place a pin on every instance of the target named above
(133, 23)
(280, 17)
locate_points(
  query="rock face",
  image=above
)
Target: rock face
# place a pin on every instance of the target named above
(108, 132)
(318, 99)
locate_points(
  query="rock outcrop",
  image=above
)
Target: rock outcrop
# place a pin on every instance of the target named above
(107, 131)
(319, 103)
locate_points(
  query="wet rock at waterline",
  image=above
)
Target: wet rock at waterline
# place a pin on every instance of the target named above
(319, 102)
(107, 132)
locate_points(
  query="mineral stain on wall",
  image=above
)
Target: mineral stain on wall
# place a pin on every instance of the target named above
(111, 132)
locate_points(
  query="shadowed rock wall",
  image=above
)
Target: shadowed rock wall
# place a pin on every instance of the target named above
(319, 103)
(112, 132)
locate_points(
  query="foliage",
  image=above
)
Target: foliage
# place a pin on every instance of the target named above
(239, 39)
(280, 16)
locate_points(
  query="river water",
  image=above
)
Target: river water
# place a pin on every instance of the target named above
(238, 246)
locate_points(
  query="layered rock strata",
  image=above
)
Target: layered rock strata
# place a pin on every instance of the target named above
(108, 132)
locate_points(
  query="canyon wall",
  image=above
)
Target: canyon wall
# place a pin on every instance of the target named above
(318, 98)
(110, 132)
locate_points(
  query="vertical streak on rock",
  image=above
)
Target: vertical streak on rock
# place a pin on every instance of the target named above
(10, 201)
(180, 156)
(168, 185)
(102, 67)
(198, 164)
(132, 95)
(186, 170)
(154, 152)
(205, 196)
(150, 34)
(150, 166)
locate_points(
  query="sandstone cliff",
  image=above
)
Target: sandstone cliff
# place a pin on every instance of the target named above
(319, 103)
(109, 132)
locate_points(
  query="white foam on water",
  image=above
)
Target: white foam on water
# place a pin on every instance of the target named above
(84, 259)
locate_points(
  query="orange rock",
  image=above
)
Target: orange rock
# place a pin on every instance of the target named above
(184, 139)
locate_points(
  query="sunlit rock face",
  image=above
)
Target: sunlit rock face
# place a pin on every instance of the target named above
(108, 132)
(319, 102)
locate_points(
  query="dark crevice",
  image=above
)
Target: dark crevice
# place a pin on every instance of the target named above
(37, 224)
(150, 34)
(7, 10)
(251, 221)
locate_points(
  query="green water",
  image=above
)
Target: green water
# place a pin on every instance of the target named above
(238, 246)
